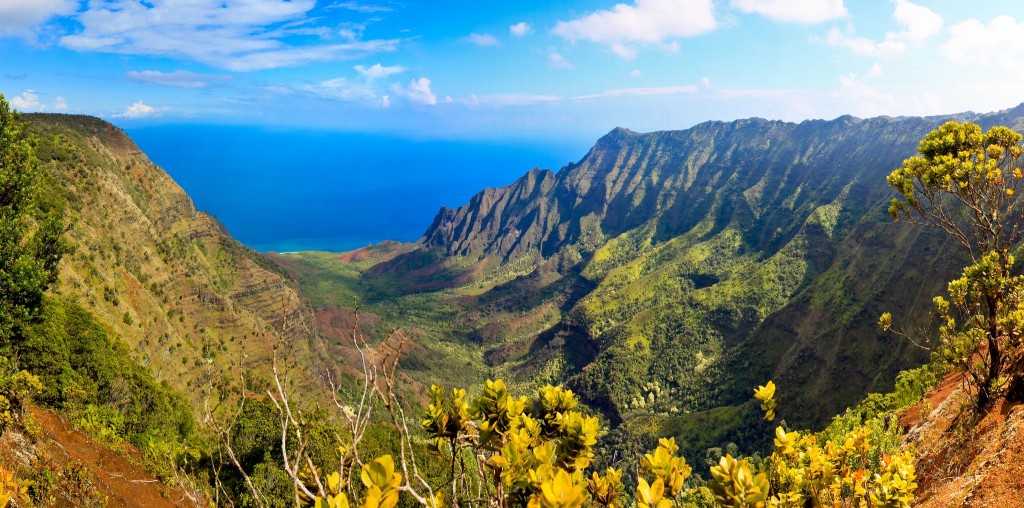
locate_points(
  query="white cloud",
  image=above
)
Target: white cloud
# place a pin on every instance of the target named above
(481, 39)
(137, 110)
(635, 73)
(997, 43)
(862, 99)
(351, 31)
(647, 90)
(520, 29)
(179, 78)
(378, 71)
(27, 101)
(241, 35)
(418, 92)
(60, 104)
(646, 22)
(993, 53)
(364, 88)
(510, 99)
(21, 18)
(875, 70)
(341, 89)
(806, 12)
(557, 61)
(361, 7)
(919, 23)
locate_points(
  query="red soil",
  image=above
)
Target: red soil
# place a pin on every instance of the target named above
(123, 483)
(961, 462)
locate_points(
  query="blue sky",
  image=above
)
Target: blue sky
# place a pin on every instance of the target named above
(498, 69)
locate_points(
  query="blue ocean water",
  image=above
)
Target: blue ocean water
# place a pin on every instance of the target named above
(293, 190)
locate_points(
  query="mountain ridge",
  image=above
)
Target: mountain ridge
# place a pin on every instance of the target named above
(737, 242)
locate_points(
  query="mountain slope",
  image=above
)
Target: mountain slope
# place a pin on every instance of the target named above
(169, 281)
(706, 261)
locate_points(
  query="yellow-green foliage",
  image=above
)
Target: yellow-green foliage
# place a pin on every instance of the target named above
(841, 474)
(766, 394)
(667, 470)
(380, 481)
(967, 183)
(16, 392)
(10, 489)
(851, 470)
(534, 453)
(526, 452)
(735, 486)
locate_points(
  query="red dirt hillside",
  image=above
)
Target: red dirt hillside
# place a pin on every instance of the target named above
(964, 461)
(82, 472)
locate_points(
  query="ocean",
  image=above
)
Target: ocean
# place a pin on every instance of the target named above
(294, 190)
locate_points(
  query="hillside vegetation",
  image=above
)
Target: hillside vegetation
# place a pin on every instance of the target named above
(664, 274)
(154, 312)
(660, 279)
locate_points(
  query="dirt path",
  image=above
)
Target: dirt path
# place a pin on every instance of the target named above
(123, 483)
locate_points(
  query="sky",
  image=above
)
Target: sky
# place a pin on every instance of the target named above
(486, 69)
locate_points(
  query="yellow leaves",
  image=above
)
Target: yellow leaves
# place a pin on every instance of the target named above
(1017, 173)
(382, 483)
(736, 486)
(576, 435)
(334, 482)
(766, 395)
(958, 291)
(786, 442)
(885, 321)
(651, 495)
(666, 467)
(10, 489)
(766, 392)
(606, 490)
(496, 410)
(839, 473)
(1009, 192)
(446, 416)
(555, 399)
(561, 492)
(894, 487)
(332, 501)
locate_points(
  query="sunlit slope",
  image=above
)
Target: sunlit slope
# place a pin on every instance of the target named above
(168, 280)
(699, 262)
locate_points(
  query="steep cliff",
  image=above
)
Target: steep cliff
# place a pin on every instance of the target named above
(188, 299)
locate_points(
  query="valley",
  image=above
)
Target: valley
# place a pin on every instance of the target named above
(575, 254)
(665, 274)
(660, 278)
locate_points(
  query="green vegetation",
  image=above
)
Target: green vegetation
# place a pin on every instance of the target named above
(967, 183)
(651, 312)
(31, 236)
(507, 451)
(92, 376)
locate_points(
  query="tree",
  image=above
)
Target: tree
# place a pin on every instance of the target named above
(31, 240)
(967, 183)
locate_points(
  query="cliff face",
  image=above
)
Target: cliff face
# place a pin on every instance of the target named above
(767, 175)
(170, 281)
(706, 260)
